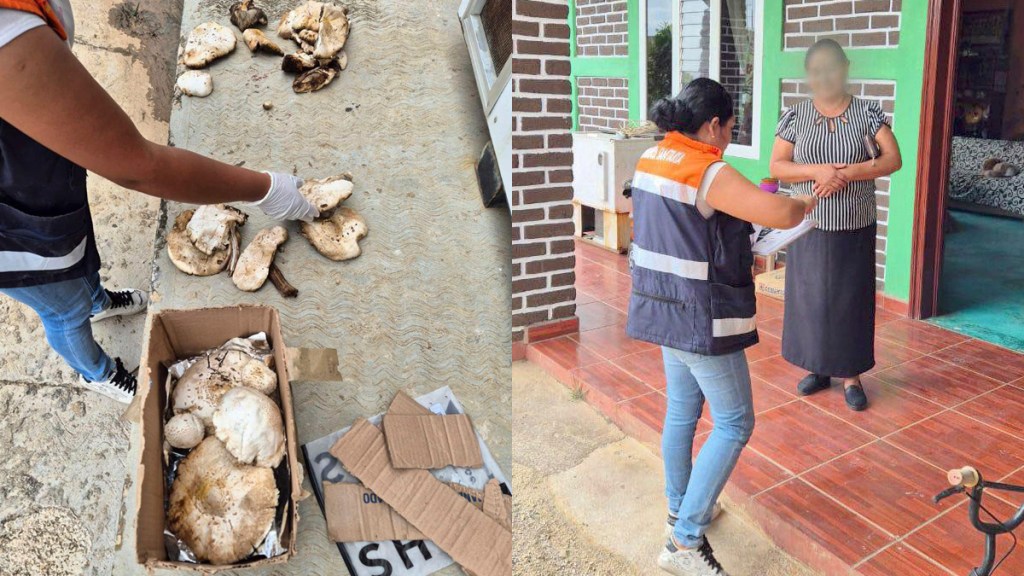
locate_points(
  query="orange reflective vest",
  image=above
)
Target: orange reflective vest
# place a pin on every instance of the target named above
(40, 8)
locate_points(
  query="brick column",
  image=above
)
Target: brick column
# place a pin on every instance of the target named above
(542, 229)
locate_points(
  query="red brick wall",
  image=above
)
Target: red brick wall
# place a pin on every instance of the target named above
(884, 92)
(542, 245)
(601, 28)
(603, 103)
(859, 23)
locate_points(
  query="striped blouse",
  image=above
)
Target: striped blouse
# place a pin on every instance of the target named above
(854, 206)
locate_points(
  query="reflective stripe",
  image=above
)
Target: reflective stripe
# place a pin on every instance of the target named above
(11, 261)
(669, 264)
(664, 187)
(721, 327)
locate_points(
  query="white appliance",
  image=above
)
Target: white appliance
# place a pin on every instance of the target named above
(601, 164)
(487, 27)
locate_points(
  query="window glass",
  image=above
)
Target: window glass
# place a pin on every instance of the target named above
(659, 49)
(695, 40)
(736, 64)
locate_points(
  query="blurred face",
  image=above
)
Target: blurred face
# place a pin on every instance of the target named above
(827, 75)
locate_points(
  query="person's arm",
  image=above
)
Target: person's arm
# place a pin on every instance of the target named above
(889, 159)
(733, 194)
(47, 94)
(827, 177)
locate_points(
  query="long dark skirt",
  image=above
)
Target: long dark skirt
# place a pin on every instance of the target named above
(830, 302)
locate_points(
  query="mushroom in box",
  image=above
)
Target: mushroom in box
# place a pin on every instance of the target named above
(229, 471)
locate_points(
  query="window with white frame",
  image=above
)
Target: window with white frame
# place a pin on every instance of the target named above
(720, 39)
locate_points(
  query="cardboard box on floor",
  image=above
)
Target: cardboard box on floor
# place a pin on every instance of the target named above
(772, 283)
(172, 335)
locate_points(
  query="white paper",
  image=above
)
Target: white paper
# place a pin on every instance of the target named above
(412, 558)
(766, 241)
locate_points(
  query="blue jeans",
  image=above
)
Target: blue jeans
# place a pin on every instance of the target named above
(64, 308)
(692, 487)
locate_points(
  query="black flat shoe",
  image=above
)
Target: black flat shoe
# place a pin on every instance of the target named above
(813, 383)
(856, 400)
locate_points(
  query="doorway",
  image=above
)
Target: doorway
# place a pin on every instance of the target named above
(969, 218)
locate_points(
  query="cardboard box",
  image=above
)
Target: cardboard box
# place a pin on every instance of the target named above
(172, 335)
(772, 283)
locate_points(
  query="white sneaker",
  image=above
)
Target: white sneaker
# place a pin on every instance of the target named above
(120, 386)
(690, 561)
(670, 524)
(123, 303)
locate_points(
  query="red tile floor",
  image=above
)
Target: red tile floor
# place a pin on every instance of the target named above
(845, 492)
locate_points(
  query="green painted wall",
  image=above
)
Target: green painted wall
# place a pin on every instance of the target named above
(903, 65)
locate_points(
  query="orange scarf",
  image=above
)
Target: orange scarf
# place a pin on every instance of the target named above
(40, 8)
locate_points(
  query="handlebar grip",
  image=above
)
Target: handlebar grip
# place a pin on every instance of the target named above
(966, 477)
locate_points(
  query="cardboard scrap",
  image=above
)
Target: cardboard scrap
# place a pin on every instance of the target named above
(402, 403)
(355, 514)
(431, 441)
(476, 541)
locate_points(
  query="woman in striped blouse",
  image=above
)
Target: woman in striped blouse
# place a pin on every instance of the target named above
(824, 147)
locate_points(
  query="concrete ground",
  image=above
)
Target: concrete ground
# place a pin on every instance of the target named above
(590, 501)
(426, 305)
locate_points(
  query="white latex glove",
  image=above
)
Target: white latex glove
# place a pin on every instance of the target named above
(283, 201)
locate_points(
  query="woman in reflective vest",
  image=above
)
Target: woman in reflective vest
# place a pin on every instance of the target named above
(56, 122)
(693, 294)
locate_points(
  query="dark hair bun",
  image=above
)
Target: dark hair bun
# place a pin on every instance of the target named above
(699, 101)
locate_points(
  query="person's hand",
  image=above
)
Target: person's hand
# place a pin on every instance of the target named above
(828, 179)
(283, 201)
(810, 202)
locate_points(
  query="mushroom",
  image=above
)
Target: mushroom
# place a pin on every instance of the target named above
(212, 226)
(221, 509)
(254, 264)
(206, 43)
(249, 424)
(298, 62)
(186, 257)
(246, 15)
(317, 78)
(197, 83)
(333, 32)
(201, 387)
(327, 193)
(304, 17)
(257, 41)
(184, 431)
(336, 236)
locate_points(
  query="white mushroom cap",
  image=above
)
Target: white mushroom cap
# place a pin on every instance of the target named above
(337, 236)
(199, 391)
(221, 509)
(184, 431)
(206, 43)
(212, 225)
(254, 264)
(249, 424)
(186, 257)
(327, 193)
(196, 83)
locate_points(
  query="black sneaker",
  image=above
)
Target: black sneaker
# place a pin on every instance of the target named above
(813, 383)
(856, 399)
(123, 303)
(120, 386)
